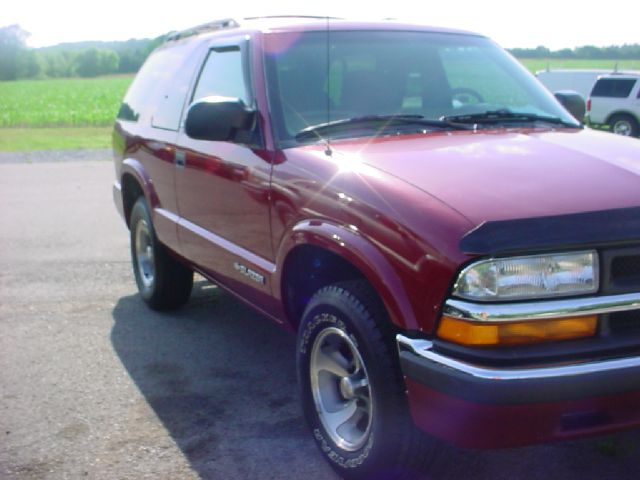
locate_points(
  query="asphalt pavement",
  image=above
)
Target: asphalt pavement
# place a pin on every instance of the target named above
(95, 385)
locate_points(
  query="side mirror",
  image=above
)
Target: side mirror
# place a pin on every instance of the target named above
(217, 118)
(573, 102)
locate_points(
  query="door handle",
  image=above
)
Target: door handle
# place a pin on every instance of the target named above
(181, 159)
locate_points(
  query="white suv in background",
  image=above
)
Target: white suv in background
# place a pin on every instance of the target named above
(615, 101)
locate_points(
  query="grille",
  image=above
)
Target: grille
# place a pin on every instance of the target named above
(625, 322)
(626, 270)
(620, 270)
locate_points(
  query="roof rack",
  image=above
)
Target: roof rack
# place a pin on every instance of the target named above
(205, 27)
(313, 17)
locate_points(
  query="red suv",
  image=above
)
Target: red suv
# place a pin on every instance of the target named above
(455, 252)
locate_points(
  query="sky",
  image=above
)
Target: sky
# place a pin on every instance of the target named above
(555, 24)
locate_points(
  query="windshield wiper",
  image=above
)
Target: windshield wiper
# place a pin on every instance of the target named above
(506, 116)
(377, 122)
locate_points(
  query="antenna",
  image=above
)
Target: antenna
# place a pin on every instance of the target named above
(328, 152)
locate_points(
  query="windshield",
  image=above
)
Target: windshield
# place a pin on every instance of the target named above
(316, 78)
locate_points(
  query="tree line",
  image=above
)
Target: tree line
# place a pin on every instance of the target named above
(587, 52)
(85, 59)
(91, 59)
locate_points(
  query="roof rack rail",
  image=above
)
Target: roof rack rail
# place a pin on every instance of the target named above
(205, 27)
(313, 17)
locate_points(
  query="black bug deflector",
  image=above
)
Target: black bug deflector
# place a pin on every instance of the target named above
(603, 228)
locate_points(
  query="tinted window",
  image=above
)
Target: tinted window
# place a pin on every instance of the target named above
(222, 75)
(153, 78)
(172, 97)
(613, 87)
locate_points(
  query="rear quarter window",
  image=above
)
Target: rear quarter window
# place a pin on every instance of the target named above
(160, 88)
(613, 87)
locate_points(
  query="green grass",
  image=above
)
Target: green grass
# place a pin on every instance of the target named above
(535, 64)
(69, 138)
(70, 102)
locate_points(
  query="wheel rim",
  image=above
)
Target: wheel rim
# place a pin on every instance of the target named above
(341, 390)
(144, 254)
(622, 127)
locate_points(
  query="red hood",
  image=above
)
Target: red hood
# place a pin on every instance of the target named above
(511, 174)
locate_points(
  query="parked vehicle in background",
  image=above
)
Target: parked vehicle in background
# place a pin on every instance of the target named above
(614, 101)
(580, 81)
(455, 252)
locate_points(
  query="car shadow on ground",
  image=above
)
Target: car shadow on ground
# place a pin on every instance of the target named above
(222, 380)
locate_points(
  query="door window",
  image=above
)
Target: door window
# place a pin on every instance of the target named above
(222, 75)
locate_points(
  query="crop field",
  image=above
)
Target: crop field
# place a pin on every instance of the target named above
(71, 102)
(54, 113)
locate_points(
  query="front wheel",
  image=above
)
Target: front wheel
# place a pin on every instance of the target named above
(164, 283)
(352, 390)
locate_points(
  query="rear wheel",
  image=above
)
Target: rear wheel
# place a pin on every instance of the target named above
(352, 390)
(164, 283)
(623, 124)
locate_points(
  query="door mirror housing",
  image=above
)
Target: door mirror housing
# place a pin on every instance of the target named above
(218, 118)
(573, 102)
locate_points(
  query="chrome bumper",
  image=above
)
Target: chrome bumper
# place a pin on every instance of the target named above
(539, 310)
(424, 350)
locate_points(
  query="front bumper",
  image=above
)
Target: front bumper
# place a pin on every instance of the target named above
(473, 405)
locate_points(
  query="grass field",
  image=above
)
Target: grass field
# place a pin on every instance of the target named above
(535, 64)
(71, 102)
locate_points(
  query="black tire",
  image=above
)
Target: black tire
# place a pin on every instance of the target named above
(164, 282)
(624, 124)
(341, 323)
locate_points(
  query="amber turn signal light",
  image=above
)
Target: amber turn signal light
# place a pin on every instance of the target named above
(516, 333)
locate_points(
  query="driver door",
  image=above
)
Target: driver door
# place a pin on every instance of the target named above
(223, 187)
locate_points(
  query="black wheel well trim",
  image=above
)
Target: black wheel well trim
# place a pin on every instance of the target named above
(306, 269)
(357, 251)
(309, 268)
(131, 191)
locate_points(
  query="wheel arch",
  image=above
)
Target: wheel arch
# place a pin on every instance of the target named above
(336, 247)
(136, 182)
(623, 112)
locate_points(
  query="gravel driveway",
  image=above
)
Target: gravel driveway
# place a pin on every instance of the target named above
(94, 385)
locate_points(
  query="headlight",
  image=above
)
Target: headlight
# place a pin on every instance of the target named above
(535, 276)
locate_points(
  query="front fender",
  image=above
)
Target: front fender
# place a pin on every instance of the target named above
(362, 254)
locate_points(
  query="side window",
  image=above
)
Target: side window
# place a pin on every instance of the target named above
(222, 75)
(614, 88)
(149, 91)
(172, 97)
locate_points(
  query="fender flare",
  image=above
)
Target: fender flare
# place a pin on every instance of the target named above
(361, 253)
(134, 168)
